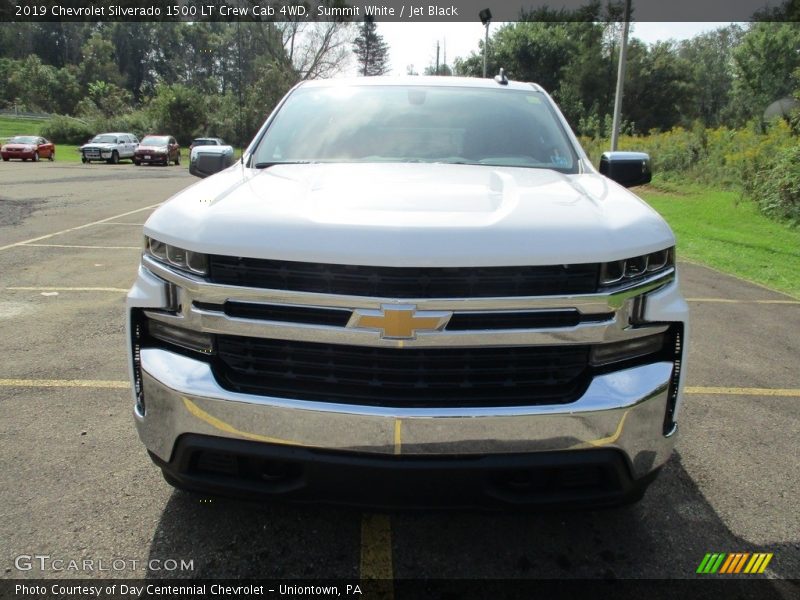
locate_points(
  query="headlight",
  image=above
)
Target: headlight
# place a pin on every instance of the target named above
(637, 267)
(186, 260)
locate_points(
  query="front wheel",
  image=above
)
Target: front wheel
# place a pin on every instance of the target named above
(35, 157)
(178, 159)
(114, 158)
(52, 156)
(84, 160)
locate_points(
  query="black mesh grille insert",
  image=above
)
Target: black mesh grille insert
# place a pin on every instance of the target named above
(403, 377)
(404, 282)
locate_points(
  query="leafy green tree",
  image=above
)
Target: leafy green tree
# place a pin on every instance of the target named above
(178, 110)
(762, 67)
(98, 61)
(709, 57)
(371, 51)
(658, 87)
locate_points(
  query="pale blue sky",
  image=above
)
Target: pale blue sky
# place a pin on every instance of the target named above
(415, 43)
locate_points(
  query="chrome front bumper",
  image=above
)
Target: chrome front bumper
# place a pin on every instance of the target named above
(623, 410)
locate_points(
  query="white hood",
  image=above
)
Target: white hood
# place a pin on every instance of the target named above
(411, 215)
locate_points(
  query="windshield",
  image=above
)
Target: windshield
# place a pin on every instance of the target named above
(105, 139)
(204, 142)
(499, 127)
(155, 140)
(24, 139)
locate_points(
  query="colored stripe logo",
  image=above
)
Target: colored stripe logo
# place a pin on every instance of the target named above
(734, 562)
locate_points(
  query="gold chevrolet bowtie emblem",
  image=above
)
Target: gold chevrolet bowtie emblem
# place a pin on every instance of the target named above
(399, 321)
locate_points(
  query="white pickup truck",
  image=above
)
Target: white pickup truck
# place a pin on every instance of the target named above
(410, 291)
(109, 147)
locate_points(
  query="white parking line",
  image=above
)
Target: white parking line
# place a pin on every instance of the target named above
(68, 289)
(82, 247)
(106, 220)
(732, 301)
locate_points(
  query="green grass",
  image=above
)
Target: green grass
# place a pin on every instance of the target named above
(9, 126)
(727, 232)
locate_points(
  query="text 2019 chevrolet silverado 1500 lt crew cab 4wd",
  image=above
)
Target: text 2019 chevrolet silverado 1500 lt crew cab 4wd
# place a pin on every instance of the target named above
(410, 292)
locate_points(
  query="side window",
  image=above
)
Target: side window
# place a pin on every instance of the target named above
(172, 141)
(135, 140)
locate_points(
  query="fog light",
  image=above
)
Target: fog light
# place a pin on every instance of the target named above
(604, 354)
(185, 338)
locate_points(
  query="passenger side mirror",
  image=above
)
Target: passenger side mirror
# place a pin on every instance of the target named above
(626, 168)
(208, 160)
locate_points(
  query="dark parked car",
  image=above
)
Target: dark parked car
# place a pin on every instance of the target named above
(158, 149)
(28, 147)
(206, 141)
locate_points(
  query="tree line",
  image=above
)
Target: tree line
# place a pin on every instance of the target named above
(725, 77)
(223, 78)
(189, 78)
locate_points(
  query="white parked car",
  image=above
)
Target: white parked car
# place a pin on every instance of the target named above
(109, 147)
(410, 291)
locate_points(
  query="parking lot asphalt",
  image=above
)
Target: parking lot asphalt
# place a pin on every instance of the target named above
(76, 483)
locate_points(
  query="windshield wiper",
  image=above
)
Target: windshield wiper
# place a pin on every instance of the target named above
(267, 165)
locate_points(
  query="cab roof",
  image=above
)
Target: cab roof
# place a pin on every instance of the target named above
(467, 82)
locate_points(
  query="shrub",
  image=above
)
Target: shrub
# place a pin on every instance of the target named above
(66, 130)
(776, 187)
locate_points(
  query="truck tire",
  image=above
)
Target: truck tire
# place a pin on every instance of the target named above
(114, 160)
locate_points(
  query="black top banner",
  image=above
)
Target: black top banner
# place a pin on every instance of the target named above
(394, 10)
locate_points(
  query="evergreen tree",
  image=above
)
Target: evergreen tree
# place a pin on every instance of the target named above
(371, 51)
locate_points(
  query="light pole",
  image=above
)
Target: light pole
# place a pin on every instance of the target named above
(623, 52)
(486, 18)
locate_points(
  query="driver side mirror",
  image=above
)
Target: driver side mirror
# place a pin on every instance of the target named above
(208, 160)
(626, 168)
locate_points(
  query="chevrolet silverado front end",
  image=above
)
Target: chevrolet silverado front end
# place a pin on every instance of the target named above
(410, 292)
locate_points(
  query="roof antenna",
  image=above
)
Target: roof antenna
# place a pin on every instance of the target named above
(501, 77)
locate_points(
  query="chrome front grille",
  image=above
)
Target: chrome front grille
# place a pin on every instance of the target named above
(306, 345)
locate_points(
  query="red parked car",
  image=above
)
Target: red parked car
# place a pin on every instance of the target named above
(28, 147)
(158, 149)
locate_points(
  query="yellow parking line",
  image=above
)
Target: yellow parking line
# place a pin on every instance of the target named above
(106, 220)
(104, 383)
(739, 391)
(67, 289)
(81, 247)
(83, 383)
(398, 436)
(376, 553)
(732, 301)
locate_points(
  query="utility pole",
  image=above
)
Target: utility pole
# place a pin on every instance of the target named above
(623, 54)
(437, 57)
(486, 18)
